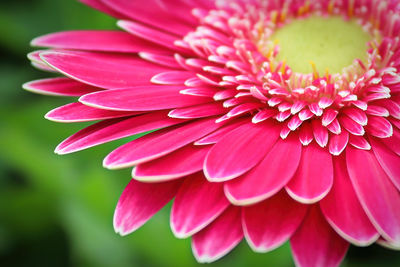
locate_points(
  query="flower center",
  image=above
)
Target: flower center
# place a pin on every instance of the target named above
(329, 43)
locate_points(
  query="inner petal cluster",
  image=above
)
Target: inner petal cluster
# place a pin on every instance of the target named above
(236, 50)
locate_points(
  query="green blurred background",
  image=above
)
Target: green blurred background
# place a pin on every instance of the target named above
(57, 211)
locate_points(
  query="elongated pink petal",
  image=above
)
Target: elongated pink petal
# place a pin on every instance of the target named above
(77, 112)
(357, 115)
(149, 34)
(351, 126)
(139, 202)
(216, 136)
(263, 115)
(378, 196)
(316, 244)
(393, 142)
(42, 67)
(269, 224)
(200, 91)
(110, 130)
(388, 160)
(393, 107)
(359, 142)
(197, 204)
(311, 184)
(99, 5)
(343, 211)
(338, 143)
(154, 16)
(144, 98)
(243, 108)
(158, 144)
(172, 77)
(320, 133)
(219, 238)
(163, 60)
(102, 41)
(270, 175)
(379, 127)
(335, 127)
(239, 151)
(59, 87)
(102, 70)
(306, 134)
(199, 111)
(384, 243)
(180, 163)
(328, 116)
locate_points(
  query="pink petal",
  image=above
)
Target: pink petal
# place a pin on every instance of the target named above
(38, 63)
(243, 108)
(392, 106)
(219, 238)
(263, 115)
(314, 108)
(269, 224)
(351, 126)
(378, 196)
(393, 142)
(139, 202)
(199, 111)
(97, 4)
(305, 114)
(102, 70)
(337, 143)
(59, 87)
(216, 136)
(359, 142)
(269, 176)
(343, 211)
(320, 133)
(208, 92)
(42, 67)
(379, 127)
(239, 151)
(314, 177)
(357, 115)
(172, 77)
(110, 130)
(77, 112)
(149, 34)
(384, 243)
(325, 102)
(105, 41)
(388, 160)
(180, 163)
(142, 98)
(297, 107)
(334, 127)
(306, 134)
(294, 123)
(328, 116)
(158, 144)
(377, 111)
(316, 244)
(149, 12)
(163, 60)
(197, 204)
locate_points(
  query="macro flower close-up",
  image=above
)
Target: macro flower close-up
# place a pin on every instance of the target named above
(264, 121)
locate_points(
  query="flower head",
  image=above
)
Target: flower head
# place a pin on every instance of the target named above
(251, 141)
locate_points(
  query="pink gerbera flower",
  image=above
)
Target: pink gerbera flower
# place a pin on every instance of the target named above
(247, 143)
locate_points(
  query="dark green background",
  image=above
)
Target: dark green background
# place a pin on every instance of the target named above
(57, 210)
